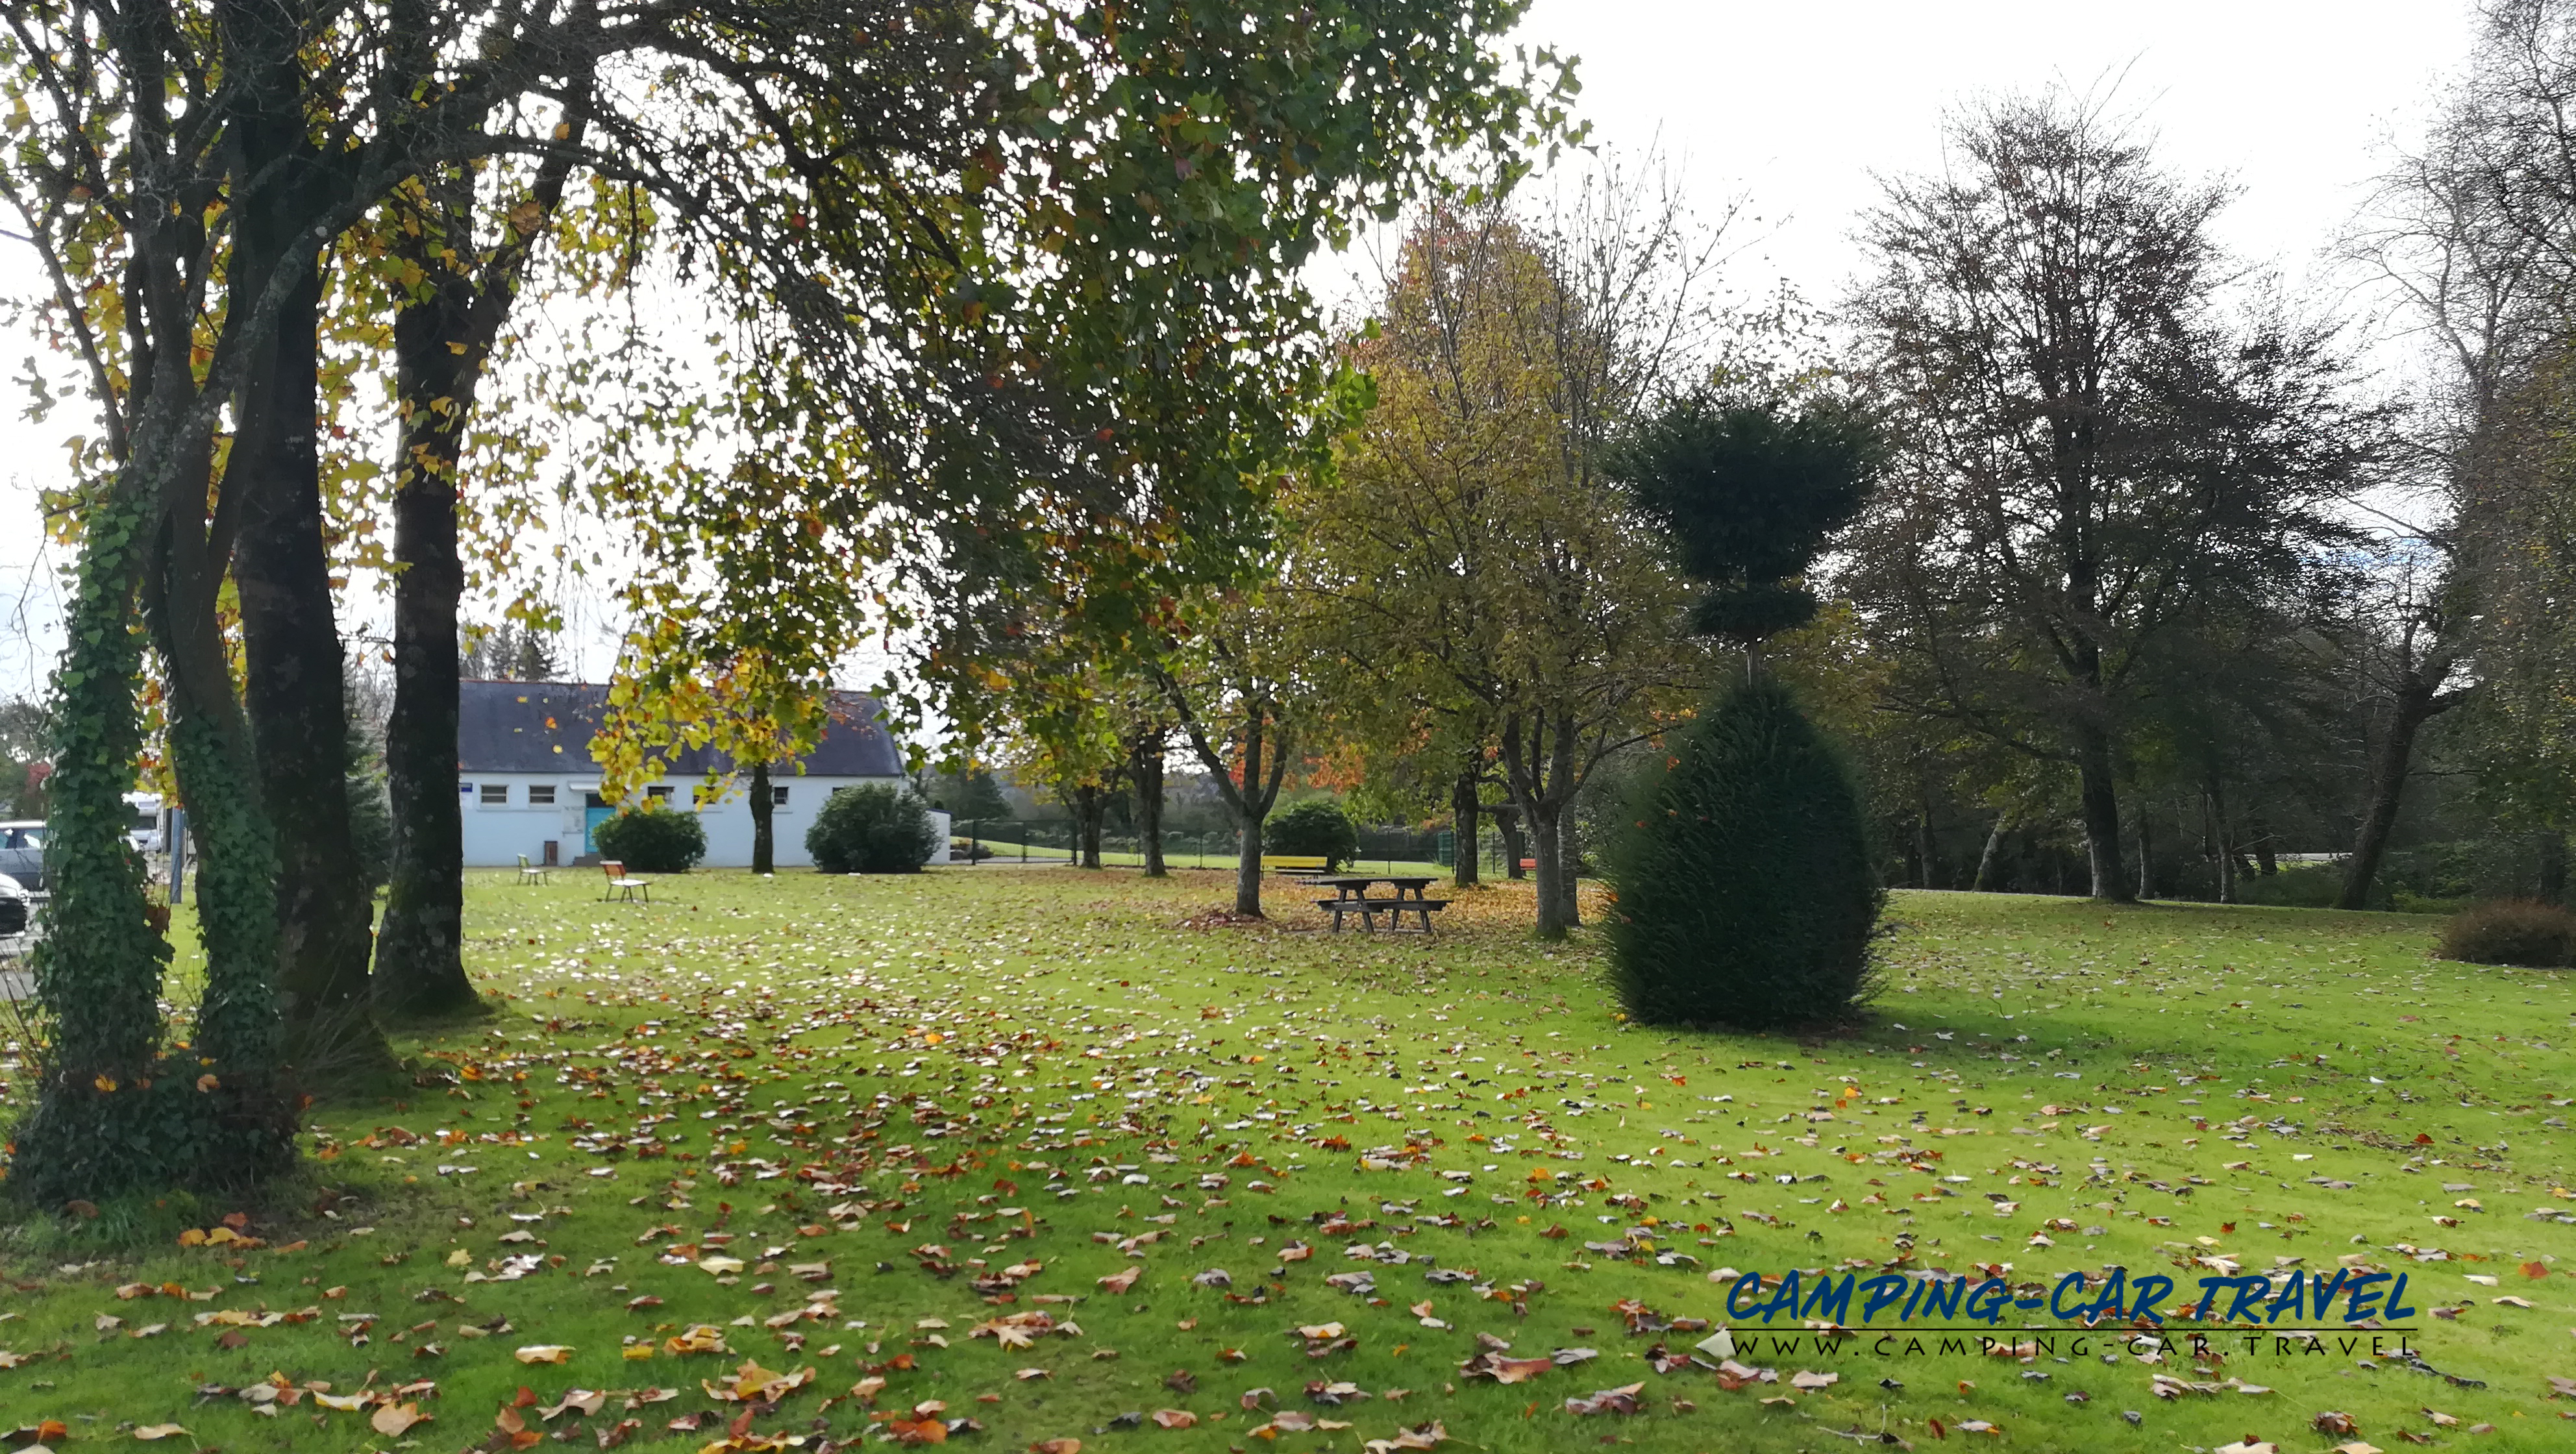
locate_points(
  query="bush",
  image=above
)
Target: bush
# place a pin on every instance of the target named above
(653, 839)
(2522, 932)
(1743, 872)
(371, 828)
(2296, 886)
(873, 829)
(1317, 828)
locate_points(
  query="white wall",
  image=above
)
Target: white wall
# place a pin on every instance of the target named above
(496, 834)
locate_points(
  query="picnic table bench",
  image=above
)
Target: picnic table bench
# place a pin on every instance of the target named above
(1351, 896)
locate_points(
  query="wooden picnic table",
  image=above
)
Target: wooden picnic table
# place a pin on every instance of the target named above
(1351, 896)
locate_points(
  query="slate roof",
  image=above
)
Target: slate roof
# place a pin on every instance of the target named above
(547, 727)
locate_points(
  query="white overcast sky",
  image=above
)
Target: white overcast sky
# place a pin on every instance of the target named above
(1798, 107)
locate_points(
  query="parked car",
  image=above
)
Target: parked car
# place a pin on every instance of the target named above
(144, 831)
(22, 854)
(16, 912)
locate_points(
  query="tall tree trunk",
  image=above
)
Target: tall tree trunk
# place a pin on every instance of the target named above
(1569, 859)
(2101, 806)
(443, 335)
(1994, 844)
(1249, 811)
(2553, 866)
(1250, 800)
(1540, 769)
(1507, 822)
(1247, 852)
(1464, 830)
(764, 815)
(1090, 804)
(1925, 845)
(1247, 866)
(2215, 805)
(420, 950)
(2146, 853)
(2417, 703)
(296, 696)
(1547, 847)
(2266, 860)
(1145, 770)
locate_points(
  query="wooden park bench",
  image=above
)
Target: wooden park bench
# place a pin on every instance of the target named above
(621, 885)
(1295, 865)
(532, 873)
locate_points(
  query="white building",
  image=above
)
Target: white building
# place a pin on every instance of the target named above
(527, 784)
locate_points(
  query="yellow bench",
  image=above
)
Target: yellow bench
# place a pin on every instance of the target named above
(1294, 865)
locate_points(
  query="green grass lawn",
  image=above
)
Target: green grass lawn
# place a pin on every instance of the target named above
(914, 1134)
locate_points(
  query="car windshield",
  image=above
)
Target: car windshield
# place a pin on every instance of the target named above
(24, 838)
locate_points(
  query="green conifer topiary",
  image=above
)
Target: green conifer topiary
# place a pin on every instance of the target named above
(1316, 827)
(1746, 890)
(650, 838)
(873, 828)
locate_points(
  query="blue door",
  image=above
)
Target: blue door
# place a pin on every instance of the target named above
(594, 811)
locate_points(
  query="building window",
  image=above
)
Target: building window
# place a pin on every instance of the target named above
(662, 792)
(541, 795)
(778, 797)
(593, 800)
(496, 793)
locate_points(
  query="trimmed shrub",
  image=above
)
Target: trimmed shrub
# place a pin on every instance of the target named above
(2523, 932)
(653, 839)
(1316, 827)
(1746, 895)
(872, 829)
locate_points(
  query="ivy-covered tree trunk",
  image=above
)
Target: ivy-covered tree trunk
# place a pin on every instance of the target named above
(98, 970)
(112, 1113)
(764, 809)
